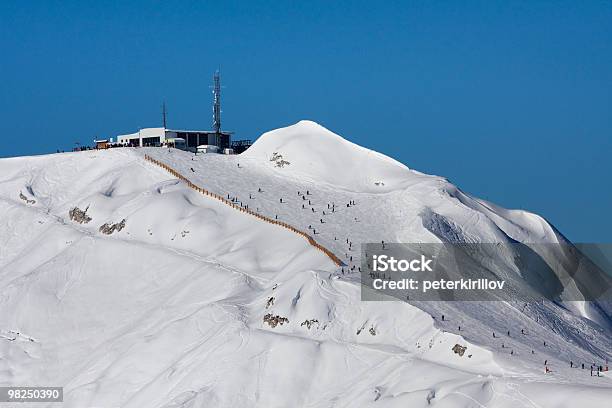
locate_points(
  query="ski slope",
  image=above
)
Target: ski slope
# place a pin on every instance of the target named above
(170, 311)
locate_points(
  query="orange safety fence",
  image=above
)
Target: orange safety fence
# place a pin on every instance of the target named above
(201, 190)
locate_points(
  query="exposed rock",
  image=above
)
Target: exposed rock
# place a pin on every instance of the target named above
(310, 323)
(24, 198)
(278, 160)
(80, 216)
(270, 302)
(459, 349)
(110, 228)
(274, 321)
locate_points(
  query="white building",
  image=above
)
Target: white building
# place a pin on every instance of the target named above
(161, 136)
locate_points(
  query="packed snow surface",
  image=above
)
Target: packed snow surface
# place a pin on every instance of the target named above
(182, 301)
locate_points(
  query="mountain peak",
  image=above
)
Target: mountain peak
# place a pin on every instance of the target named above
(311, 151)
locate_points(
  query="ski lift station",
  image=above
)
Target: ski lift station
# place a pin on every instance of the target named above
(197, 141)
(181, 139)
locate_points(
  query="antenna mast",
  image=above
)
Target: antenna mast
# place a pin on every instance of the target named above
(217, 102)
(164, 113)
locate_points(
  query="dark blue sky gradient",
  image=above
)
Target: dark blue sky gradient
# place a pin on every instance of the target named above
(512, 101)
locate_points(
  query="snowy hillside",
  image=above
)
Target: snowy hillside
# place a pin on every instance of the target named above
(153, 295)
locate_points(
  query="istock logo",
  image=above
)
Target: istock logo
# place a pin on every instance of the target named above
(384, 263)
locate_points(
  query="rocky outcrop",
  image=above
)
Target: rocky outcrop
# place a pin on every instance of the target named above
(24, 198)
(78, 215)
(108, 229)
(274, 320)
(310, 323)
(458, 349)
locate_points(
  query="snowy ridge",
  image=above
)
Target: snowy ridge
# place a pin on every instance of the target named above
(194, 304)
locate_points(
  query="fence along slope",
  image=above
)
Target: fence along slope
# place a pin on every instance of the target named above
(205, 192)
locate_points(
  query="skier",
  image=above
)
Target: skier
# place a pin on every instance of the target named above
(442, 317)
(571, 364)
(281, 200)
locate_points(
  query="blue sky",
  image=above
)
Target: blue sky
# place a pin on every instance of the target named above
(512, 101)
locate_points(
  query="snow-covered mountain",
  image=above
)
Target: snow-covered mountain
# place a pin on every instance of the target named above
(181, 301)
